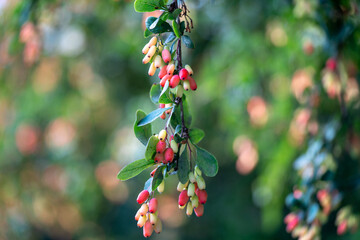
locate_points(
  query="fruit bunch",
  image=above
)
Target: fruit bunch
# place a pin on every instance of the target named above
(173, 150)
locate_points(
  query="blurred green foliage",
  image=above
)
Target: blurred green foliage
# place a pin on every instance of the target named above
(68, 103)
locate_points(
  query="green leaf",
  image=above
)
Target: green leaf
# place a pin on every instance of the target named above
(148, 5)
(176, 29)
(187, 41)
(152, 116)
(206, 162)
(166, 87)
(196, 135)
(155, 92)
(178, 129)
(147, 33)
(172, 48)
(170, 38)
(151, 148)
(182, 27)
(161, 26)
(142, 133)
(133, 169)
(153, 25)
(183, 167)
(176, 13)
(164, 16)
(158, 178)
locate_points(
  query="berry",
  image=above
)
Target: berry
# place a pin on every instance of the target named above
(152, 69)
(153, 172)
(166, 56)
(158, 61)
(146, 48)
(341, 229)
(186, 85)
(181, 186)
(174, 81)
(162, 72)
(331, 64)
(192, 177)
(153, 205)
(164, 79)
(195, 201)
(170, 69)
(161, 187)
(152, 41)
(183, 198)
(179, 91)
(191, 190)
(166, 106)
(189, 209)
(141, 221)
(160, 146)
(159, 157)
(199, 211)
(193, 85)
(143, 209)
(292, 224)
(143, 196)
(189, 69)
(200, 182)
(153, 218)
(162, 135)
(174, 146)
(202, 195)
(148, 229)
(158, 226)
(169, 155)
(198, 171)
(183, 74)
(162, 105)
(163, 116)
(137, 215)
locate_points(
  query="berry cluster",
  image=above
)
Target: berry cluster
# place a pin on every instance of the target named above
(173, 150)
(160, 58)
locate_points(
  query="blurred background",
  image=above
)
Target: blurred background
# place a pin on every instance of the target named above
(71, 79)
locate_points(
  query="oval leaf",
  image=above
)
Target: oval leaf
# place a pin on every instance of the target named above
(142, 133)
(158, 178)
(152, 116)
(161, 26)
(183, 167)
(196, 135)
(147, 5)
(133, 169)
(206, 162)
(187, 41)
(151, 148)
(147, 185)
(170, 38)
(156, 97)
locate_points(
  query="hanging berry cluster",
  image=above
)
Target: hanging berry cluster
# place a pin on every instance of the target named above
(328, 172)
(173, 151)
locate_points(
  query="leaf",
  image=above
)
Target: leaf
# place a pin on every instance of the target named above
(176, 28)
(187, 41)
(147, 33)
(312, 212)
(206, 162)
(172, 50)
(158, 178)
(155, 92)
(151, 148)
(142, 133)
(183, 167)
(170, 38)
(161, 26)
(164, 16)
(147, 185)
(196, 135)
(133, 169)
(166, 86)
(152, 116)
(153, 25)
(176, 13)
(176, 117)
(182, 27)
(178, 129)
(148, 5)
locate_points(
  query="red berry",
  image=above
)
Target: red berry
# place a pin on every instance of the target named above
(183, 74)
(292, 224)
(199, 211)
(143, 196)
(162, 105)
(147, 229)
(183, 198)
(164, 79)
(159, 157)
(171, 137)
(341, 229)
(169, 155)
(153, 172)
(163, 116)
(202, 195)
(160, 146)
(166, 56)
(192, 82)
(174, 81)
(163, 72)
(331, 64)
(153, 205)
